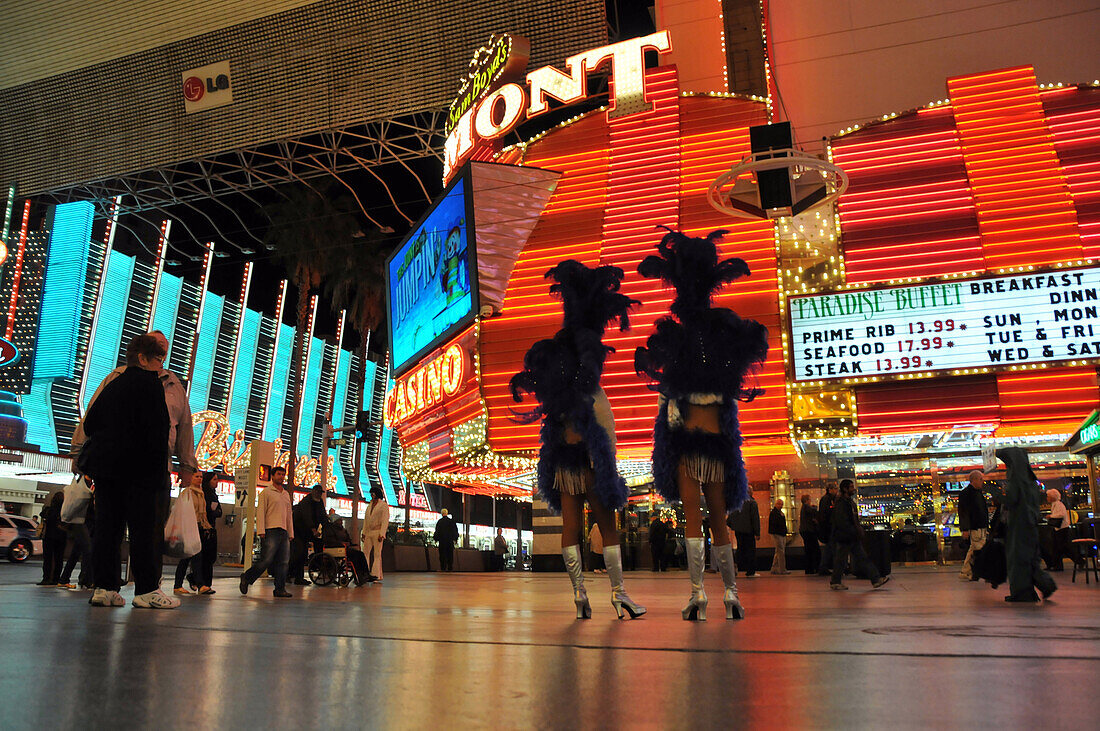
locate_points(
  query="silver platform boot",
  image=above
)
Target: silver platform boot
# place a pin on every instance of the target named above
(613, 559)
(572, 556)
(697, 607)
(724, 554)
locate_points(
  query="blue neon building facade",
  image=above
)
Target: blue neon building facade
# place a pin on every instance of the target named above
(93, 299)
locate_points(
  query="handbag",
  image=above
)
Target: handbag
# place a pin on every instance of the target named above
(75, 505)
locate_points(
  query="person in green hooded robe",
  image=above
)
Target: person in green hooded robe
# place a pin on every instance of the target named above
(1020, 500)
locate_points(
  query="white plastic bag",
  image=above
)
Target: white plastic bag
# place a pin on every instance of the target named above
(181, 532)
(77, 497)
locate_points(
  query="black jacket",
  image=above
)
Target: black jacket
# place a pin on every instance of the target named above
(973, 511)
(211, 497)
(807, 520)
(747, 519)
(658, 533)
(777, 523)
(446, 531)
(825, 515)
(845, 521)
(127, 426)
(307, 514)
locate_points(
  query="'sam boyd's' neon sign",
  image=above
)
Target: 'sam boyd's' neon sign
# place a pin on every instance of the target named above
(500, 109)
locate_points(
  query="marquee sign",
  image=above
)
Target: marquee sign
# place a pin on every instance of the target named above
(500, 110)
(1024, 319)
(428, 386)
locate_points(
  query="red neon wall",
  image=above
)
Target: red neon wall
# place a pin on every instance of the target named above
(1005, 175)
(621, 179)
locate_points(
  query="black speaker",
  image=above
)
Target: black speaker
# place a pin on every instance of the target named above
(776, 188)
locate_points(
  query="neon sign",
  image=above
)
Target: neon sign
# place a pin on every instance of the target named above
(413, 500)
(215, 448)
(499, 110)
(427, 386)
(504, 57)
(8, 353)
(1090, 433)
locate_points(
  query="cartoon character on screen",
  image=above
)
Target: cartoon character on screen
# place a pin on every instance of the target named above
(455, 281)
(697, 360)
(577, 452)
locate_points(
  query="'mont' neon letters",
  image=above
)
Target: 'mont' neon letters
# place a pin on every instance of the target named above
(502, 109)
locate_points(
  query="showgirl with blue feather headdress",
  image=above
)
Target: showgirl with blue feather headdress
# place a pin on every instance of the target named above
(577, 452)
(698, 360)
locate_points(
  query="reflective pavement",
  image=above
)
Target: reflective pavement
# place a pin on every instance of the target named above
(504, 651)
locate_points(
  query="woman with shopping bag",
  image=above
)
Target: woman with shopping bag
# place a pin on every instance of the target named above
(195, 495)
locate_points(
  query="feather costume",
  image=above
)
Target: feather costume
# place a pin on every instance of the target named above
(699, 355)
(563, 373)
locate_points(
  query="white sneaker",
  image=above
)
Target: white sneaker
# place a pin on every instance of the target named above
(155, 600)
(104, 598)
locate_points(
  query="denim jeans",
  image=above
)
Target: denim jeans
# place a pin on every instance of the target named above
(274, 556)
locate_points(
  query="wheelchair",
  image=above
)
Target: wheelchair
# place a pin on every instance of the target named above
(331, 566)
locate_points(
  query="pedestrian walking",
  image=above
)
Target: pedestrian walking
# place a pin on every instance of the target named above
(200, 564)
(658, 534)
(500, 550)
(632, 540)
(80, 527)
(128, 429)
(745, 524)
(309, 521)
(54, 539)
(973, 519)
(1020, 501)
(807, 528)
(1059, 524)
(446, 535)
(374, 531)
(777, 529)
(825, 528)
(275, 525)
(847, 534)
(595, 548)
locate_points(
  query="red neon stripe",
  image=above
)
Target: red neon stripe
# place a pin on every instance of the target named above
(17, 275)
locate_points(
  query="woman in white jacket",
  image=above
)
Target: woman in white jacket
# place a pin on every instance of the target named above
(374, 531)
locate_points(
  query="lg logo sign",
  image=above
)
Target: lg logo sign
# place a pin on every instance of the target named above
(207, 87)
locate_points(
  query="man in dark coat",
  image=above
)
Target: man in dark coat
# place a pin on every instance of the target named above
(847, 533)
(807, 528)
(446, 535)
(54, 539)
(745, 523)
(658, 534)
(127, 427)
(825, 528)
(1020, 499)
(309, 518)
(973, 522)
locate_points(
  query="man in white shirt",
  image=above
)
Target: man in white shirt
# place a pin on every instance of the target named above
(275, 525)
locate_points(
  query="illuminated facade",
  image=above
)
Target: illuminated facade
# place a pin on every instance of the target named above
(76, 302)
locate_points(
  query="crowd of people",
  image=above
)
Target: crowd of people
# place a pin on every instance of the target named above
(138, 420)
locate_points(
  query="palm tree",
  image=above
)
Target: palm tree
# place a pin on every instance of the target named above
(307, 230)
(357, 286)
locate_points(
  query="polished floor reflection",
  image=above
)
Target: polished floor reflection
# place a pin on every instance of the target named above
(503, 651)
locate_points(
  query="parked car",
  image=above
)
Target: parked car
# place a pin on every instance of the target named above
(17, 538)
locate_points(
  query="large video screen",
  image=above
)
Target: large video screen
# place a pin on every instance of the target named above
(432, 278)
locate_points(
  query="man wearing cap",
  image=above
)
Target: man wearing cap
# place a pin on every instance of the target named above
(446, 535)
(973, 522)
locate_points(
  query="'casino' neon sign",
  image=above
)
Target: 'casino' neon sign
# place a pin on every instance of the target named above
(500, 110)
(427, 386)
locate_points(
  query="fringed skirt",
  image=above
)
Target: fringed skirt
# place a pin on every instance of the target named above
(703, 468)
(573, 472)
